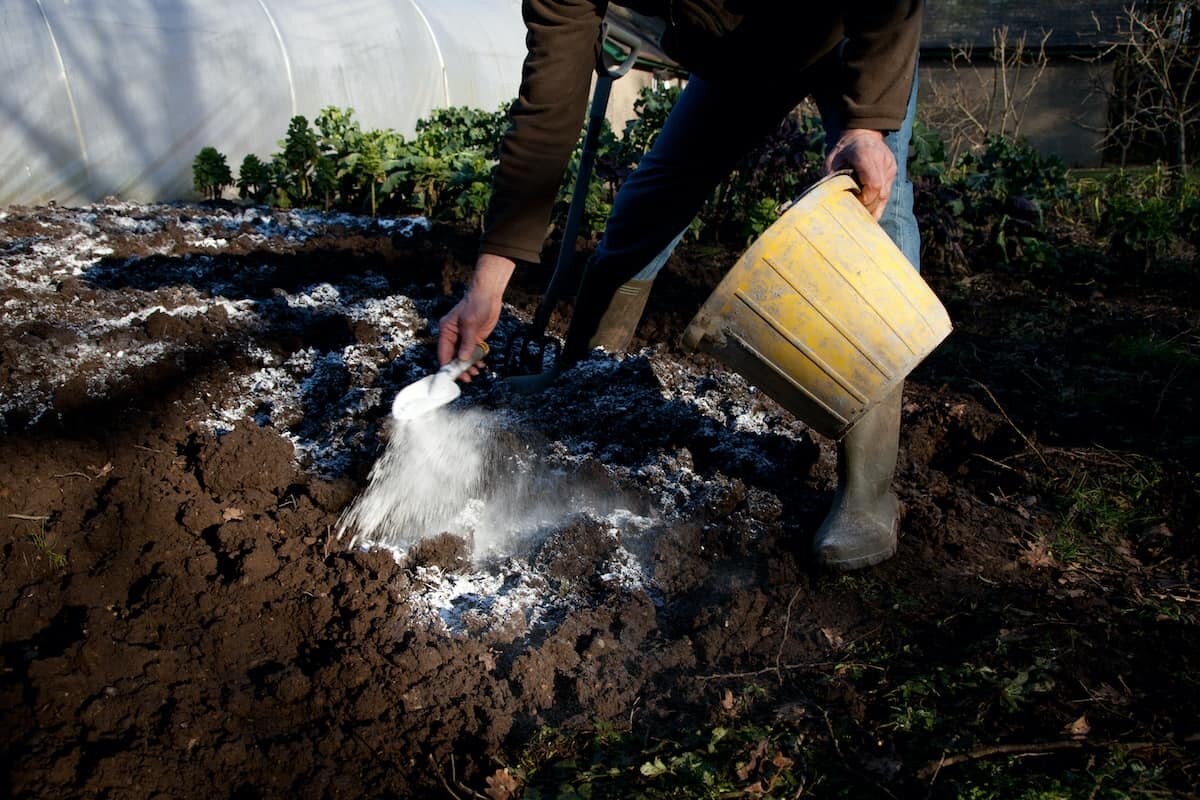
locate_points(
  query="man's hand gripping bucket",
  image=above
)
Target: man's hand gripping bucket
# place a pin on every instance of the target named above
(822, 312)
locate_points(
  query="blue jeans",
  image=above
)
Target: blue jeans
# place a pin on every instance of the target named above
(710, 129)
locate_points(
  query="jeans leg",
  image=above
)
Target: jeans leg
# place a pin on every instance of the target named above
(898, 220)
(651, 270)
(711, 127)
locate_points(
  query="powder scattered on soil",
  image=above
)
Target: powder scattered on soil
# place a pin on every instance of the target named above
(165, 259)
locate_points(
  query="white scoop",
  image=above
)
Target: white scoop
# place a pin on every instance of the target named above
(433, 391)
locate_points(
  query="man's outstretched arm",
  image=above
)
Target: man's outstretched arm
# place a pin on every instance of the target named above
(562, 41)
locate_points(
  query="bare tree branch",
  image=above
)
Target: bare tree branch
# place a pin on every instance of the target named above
(987, 99)
(1156, 85)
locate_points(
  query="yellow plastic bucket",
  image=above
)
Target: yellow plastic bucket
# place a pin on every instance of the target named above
(822, 312)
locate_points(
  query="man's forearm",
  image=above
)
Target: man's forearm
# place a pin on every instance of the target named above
(544, 124)
(492, 274)
(878, 63)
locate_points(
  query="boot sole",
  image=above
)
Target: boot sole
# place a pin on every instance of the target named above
(868, 560)
(858, 562)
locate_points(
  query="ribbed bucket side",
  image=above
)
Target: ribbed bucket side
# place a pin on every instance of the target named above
(822, 312)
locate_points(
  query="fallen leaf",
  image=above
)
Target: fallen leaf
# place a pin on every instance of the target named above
(1079, 728)
(790, 713)
(833, 637)
(1160, 530)
(727, 701)
(100, 473)
(782, 762)
(232, 514)
(502, 786)
(1106, 693)
(1037, 554)
(757, 756)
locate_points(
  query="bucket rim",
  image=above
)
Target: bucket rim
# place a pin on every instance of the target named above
(841, 181)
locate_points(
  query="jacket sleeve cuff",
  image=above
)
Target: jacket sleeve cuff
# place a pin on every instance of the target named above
(515, 252)
(884, 124)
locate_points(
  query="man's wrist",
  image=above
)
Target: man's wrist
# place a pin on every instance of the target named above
(492, 273)
(857, 133)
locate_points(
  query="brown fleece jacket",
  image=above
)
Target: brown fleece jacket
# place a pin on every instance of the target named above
(720, 40)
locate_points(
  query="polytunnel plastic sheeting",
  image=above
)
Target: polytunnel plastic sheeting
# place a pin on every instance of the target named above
(484, 48)
(100, 98)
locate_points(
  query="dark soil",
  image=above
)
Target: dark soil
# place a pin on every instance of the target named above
(178, 618)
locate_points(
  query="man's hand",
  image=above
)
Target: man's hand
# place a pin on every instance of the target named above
(868, 155)
(475, 317)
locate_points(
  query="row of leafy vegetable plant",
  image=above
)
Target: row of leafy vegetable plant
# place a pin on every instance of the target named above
(445, 170)
(1009, 206)
(998, 205)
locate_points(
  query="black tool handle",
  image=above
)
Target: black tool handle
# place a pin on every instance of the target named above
(607, 71)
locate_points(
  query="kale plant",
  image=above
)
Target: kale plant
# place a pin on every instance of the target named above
(210, 173)
(254, 179)
(300, 153)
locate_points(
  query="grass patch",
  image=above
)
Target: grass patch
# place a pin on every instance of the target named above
(1152, 353)
(718, 762)
(1099, 512)
(1113, 775)
(40, 539)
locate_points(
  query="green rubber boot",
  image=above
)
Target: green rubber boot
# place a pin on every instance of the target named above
(604, 316)
(860, 529)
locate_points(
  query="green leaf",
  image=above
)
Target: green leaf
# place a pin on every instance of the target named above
(652, 769)
(392, 183)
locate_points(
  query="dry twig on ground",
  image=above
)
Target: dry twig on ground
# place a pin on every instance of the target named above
(932, 769)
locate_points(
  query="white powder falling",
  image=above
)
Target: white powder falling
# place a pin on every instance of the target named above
(430, 471)
(461, 472)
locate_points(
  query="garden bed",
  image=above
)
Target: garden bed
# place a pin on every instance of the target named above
(191, 396)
